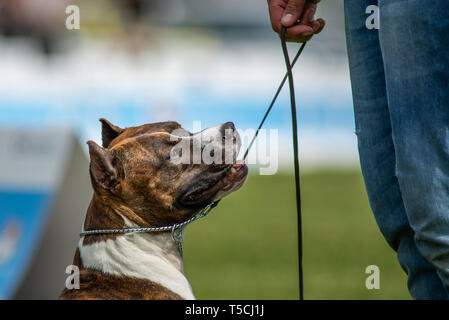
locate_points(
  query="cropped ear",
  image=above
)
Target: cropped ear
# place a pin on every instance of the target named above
(102, 171)
(109, 132)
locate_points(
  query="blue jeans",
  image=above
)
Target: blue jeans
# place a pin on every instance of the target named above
(400, 84)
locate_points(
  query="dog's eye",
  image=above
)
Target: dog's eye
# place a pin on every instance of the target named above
(233, 139)
(173, 141)
(177, 153)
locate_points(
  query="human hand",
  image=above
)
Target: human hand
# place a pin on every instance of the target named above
(287, 12)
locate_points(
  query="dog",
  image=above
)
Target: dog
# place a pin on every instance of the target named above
(141, 178)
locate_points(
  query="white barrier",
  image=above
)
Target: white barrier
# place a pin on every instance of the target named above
(44, 193)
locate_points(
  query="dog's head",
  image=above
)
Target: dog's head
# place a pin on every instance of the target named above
(162, 173)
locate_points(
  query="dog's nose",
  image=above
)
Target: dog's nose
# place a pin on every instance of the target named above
(227, 126)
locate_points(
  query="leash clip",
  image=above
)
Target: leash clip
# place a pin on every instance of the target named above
(178, 237)
(177, 230)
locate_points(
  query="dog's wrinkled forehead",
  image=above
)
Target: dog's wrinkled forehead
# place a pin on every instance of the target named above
(134, 132)
(113, 135)
(169, 141)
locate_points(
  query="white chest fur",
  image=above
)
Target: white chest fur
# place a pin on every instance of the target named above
(150, 256)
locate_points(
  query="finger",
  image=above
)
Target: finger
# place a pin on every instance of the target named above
(308, 14)
(308, 25)
(276, 10)
(299, 30)
(293, 10)
(298, 39)
(317, 26)
(322, 25)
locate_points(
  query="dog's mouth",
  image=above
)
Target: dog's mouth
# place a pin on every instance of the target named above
(231, 179)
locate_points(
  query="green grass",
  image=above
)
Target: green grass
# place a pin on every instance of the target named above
(247, 247)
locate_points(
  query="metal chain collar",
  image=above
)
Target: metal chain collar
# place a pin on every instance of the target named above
(176, 229)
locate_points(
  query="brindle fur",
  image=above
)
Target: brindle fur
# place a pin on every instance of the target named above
(132, 177)
(95, 285)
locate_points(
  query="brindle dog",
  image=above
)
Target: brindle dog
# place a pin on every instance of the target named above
(137, 182)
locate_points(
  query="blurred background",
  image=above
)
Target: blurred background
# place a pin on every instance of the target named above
(134, 62)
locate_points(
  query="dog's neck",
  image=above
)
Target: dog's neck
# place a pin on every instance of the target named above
(149, 256)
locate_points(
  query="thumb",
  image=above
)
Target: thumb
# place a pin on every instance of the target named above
(293, 10)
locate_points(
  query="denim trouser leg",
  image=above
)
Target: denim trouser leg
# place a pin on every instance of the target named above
(401, 112)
